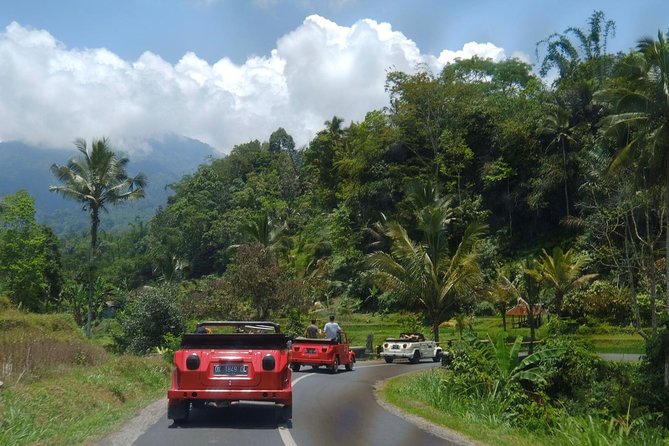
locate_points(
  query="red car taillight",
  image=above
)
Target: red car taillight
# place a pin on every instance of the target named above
(268, 362)
(193, 362)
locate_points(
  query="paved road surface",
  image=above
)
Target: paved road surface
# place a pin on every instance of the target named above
(328, 410)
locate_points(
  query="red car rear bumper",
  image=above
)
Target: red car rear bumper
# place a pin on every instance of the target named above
(284, 396)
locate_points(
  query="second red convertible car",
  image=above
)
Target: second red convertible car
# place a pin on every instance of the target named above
(322, 352)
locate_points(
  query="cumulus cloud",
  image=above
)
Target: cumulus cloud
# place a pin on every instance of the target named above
(52, 94)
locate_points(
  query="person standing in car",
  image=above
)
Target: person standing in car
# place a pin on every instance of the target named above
(312, 330)
(332, 329)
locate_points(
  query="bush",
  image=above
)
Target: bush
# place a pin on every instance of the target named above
(600, 300)
(5, 303)
(148, 317)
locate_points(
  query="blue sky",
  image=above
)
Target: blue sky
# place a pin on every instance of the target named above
(227, 71)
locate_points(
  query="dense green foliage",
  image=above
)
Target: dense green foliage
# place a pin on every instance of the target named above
(480, 187)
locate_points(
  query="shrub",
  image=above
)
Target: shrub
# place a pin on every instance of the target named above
(148, 317)
(5, 303)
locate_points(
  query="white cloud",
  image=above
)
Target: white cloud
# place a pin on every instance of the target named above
(52, 94)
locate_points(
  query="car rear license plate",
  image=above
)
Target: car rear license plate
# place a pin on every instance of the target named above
(396, 347)
(310, 350)
(231, 369)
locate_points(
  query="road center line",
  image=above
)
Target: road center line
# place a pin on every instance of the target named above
(284, 432)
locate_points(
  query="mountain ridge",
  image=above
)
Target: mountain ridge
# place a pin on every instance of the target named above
(28, 167)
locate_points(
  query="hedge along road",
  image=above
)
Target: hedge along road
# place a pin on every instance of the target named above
(327, 410)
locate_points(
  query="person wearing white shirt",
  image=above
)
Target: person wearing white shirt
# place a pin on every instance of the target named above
(332, 329)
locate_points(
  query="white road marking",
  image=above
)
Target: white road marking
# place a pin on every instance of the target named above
(284, 432)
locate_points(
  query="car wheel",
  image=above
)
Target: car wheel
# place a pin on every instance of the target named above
(179, 412)
(437, 357)
(415, 358)
(388, 359)
(286, 413)
(349, 366)
(295, 367)
(334, 368)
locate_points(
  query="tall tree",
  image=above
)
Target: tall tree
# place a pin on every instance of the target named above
(426, 271)
(96, 179)
(29, 256)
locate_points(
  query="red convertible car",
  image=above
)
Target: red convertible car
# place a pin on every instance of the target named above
(317, 352)
(226, 362)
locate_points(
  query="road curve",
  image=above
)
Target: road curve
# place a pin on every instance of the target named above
(327, 410)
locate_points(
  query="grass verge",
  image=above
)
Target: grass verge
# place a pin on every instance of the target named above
(78, 406)
(62, 389)
(402, 393)
(423, 394)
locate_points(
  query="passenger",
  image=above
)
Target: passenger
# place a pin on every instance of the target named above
(203, 330)
(312, 330)
(332, 329)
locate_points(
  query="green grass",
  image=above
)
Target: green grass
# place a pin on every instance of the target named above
(359, 326)
(61, 389)
(483, 420)
(403, 393)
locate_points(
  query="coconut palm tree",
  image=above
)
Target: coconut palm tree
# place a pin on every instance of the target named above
(96, 179)
(425, 271)
(562, 271)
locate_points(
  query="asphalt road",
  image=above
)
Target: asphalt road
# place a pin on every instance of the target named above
(327, 410)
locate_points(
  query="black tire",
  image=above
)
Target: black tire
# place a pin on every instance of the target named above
(286, 413)
(179, 412)
(295, 367)
(388, 359)
(349, 366)
(415, 358)
(437, 357)
(334, 368)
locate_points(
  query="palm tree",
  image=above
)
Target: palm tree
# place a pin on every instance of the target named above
(562, 271)
(565, 56)
(96, 179)
(556, 125)
(423, 271)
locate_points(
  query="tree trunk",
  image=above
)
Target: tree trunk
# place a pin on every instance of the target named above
(435, 329)
(504, 320)
(95, 221)
(630, 273)
(564, 165)
(666, 262)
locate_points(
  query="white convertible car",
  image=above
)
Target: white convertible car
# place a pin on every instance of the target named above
(411, 346)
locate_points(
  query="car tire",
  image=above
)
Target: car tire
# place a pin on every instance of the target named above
(415, 358)
(295, 367)
(388, 359)
(437, 357)
(349, 366)
(334, 368)
(179, 412)
(286, 413)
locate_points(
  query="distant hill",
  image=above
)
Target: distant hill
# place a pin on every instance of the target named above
(27, 167)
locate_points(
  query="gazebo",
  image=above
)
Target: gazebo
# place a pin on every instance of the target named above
(519, 314)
